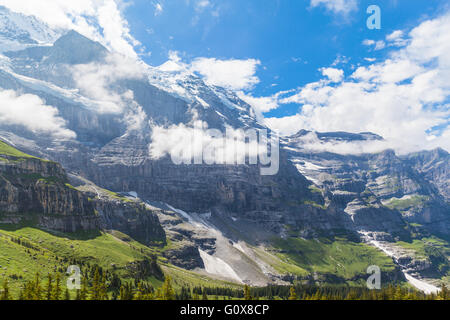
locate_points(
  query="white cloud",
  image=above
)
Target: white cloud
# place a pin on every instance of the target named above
(388, 71)
(335, 75)
(396, 39)
(260, 104)
(100, 20)
(311, 142)
(200, 5)
(340, 60)
(442, 141)
(368, 42)
(403, 98)
(196, 143)
(232, 74)
(158, 9)
(32, 113)
(377, 45)
(397, 34)
(285, 125)
(343, 7)
(95, 80)
(380, 45)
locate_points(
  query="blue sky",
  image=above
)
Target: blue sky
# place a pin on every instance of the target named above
(292, 39)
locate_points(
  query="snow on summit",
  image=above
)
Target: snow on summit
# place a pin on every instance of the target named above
(18, 31)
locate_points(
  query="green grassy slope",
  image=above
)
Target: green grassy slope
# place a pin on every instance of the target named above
(341, 258)
(433, 249)
(48, 252)
(7, 150)
(44, 252)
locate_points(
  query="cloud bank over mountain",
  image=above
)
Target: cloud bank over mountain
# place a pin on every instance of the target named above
(32, 113)
(100, 20)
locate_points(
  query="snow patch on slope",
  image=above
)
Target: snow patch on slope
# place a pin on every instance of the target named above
(182, 213)
(303, 171)
(218, 267)
(421, 285)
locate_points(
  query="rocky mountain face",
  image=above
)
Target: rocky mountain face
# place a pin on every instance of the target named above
(123, 213)
(434, 166)
(214, 215)
(36, 190)
(379, 191)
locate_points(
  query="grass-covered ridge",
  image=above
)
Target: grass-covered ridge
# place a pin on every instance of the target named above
(406, 202)
(434, 249)
(7, 150)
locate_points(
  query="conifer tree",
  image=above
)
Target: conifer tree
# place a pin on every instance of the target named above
(293, 294)
(57, 288)
(77, 295)
(139, 294)
(126, 292)
(95, 293)
(444, 293)
(5, 295)
(84, 289)
(318, 296)
(122, 295)
(21, 295)
(398, 295)
(103, 288)
(167, 289)
(49, 290)
(67, 295)
(159, 295)
(36, 289)
(247, 295)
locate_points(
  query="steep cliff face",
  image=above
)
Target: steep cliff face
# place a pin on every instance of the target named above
(132, 219)
(38, 190)
(123, 213)
(238, 190)
(382, 191)
(435, 167)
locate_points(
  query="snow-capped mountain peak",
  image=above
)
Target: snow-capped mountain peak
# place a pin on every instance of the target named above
(18, 31)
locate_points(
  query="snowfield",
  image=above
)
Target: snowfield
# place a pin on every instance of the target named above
(218, 267)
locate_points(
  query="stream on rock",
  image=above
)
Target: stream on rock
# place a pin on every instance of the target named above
(417, 283)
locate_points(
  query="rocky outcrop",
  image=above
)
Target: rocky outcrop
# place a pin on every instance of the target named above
(435, 166)
(37, 190)
(185, 256)
(381, 191)
(133, 219)
(123, 213)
